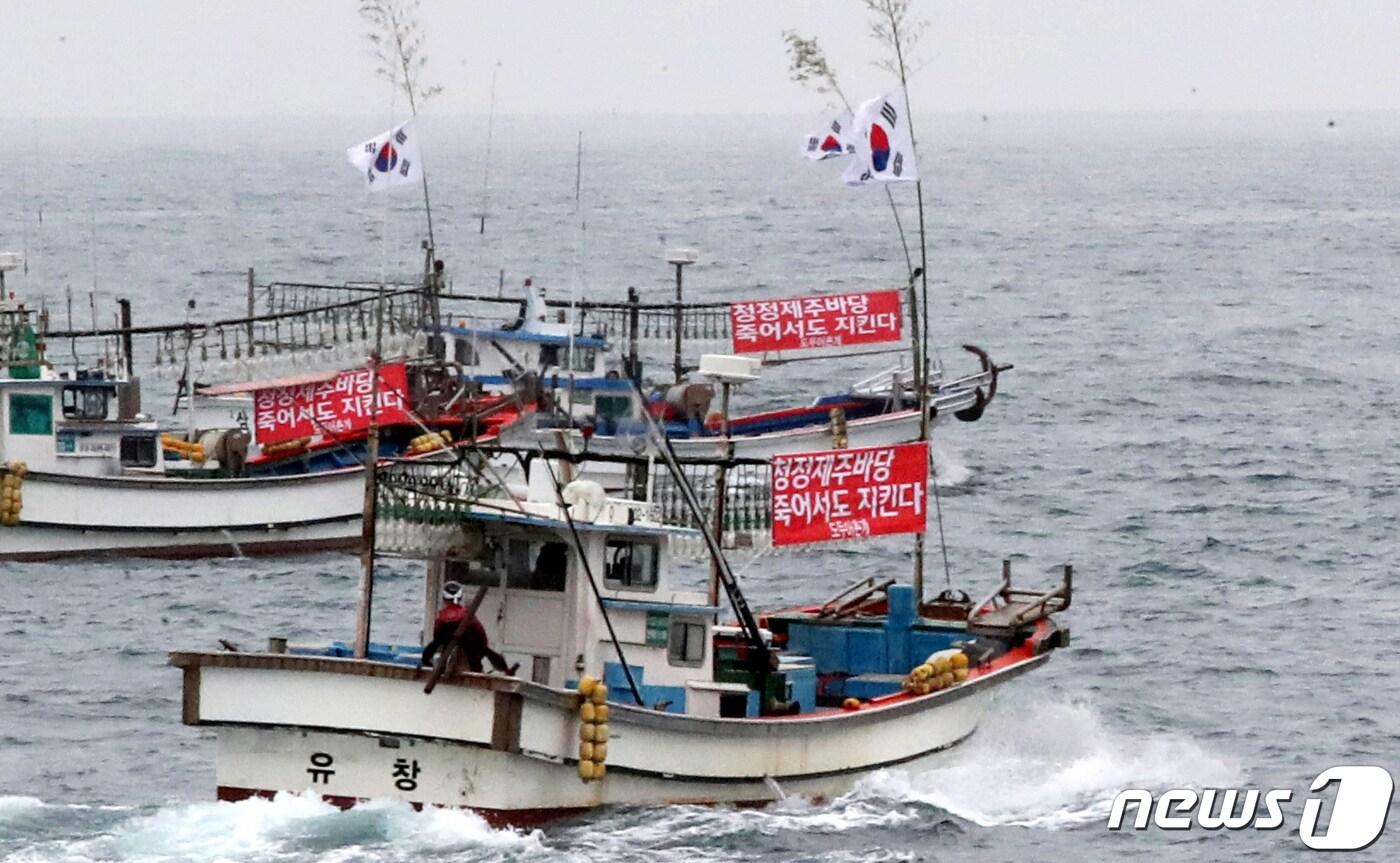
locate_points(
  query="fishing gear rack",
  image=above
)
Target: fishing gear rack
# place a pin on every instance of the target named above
(296, 334)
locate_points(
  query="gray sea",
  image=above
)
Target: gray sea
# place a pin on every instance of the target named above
(1203, 316)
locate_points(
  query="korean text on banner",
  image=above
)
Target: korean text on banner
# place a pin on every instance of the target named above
(330, 409)
(816, 322)
(850, 493)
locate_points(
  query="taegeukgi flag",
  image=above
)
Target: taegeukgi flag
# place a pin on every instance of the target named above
(884, 143)
(389, 160)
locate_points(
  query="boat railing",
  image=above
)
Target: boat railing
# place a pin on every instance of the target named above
(1008, 608)
(270, 344)
(844, 604)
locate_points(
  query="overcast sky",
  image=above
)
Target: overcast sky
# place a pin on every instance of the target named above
(65, 58)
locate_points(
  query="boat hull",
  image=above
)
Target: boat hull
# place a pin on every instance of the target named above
(67, 516)
(354, 730)
(505, 789)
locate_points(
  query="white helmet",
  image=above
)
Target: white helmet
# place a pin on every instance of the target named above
(453, 591)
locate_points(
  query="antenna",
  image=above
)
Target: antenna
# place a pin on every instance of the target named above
(486, 170)
(578, 262)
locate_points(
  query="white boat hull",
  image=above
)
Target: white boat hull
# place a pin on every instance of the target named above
(509, 748)
(168, 517)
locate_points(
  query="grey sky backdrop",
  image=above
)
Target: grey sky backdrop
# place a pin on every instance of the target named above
(69, 58)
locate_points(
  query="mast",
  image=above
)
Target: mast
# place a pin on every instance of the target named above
(918, 306)
(365, 608)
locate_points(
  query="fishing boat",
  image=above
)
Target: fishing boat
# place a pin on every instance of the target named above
(87, 471)
(630, 689)
(606, 401)
(220, 477)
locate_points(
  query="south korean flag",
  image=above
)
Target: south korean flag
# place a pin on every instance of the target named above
(884, 144)
(833, 141)
(390, 160)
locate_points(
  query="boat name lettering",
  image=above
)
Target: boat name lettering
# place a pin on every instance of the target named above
(406, 774)
(320, 768)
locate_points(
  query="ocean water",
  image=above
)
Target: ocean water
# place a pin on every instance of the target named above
(1203, 315)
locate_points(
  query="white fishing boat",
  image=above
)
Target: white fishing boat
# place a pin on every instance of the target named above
(631, 691)
(87, 472)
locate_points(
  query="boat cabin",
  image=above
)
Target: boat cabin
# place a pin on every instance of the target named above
(85, 425)
(539, 608)
(572, 369)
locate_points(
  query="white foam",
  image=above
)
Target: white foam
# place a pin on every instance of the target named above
(948, 464)
(18, 806)
(446, 829)
(219, 831)
(294, 827)
(1051, 765)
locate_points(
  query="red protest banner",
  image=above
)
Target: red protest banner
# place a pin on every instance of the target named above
(815, 322)
(331, 408)
(847, 493)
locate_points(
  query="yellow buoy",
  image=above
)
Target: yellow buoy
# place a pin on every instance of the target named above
(600, 752)
(851, 704)
(588, 732)
(587, 712)
(959, 660)
(600, 732)
(586, 750)
(959, 675)
(945, 680)
(599, 770)
(600, 694)
(600, 712)
(586, 771)
(586, 686)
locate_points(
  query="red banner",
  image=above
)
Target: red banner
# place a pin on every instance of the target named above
(849, 493)
(329, 409)
(815, 322)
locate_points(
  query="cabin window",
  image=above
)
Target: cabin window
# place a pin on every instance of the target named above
(476, 573)
(31, 414)
(463, 352)
(138, 451)
(536, 565)
(630, 565)
(581, 359)
(84, 403)
(613, 408)
(687, 645)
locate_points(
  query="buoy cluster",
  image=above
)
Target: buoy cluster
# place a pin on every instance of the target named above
(429, 442)
(192, 451)
(287, 447)
(592, 729)
(941, 670)
(11, 498)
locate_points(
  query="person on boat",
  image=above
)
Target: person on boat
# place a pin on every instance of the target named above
(455, 622)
